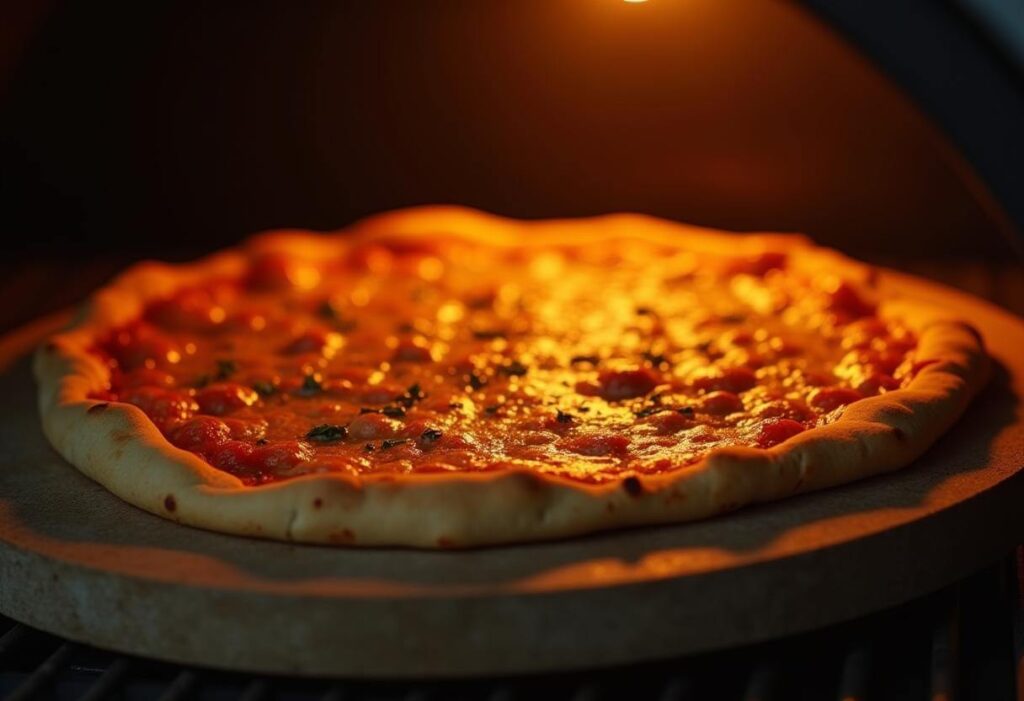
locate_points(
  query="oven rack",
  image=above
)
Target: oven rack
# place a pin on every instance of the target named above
(965, 642)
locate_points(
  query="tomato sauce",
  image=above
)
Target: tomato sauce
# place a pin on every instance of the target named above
(590, 364)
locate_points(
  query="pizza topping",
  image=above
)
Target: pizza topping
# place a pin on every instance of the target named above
(513, 369)
(310, 386)
(142, 346)
(412, 351)
(775, 431)
(264, 388)
(783, 408)
(733, 380)
(597, 445)
(276, 271)
(313, 341)
(232, 456)
(223, 398)
(846, 301)
(399, 358)
(615, 385)
(225, 369)
(371, 426)
(649, 410)
(829, 398)
(190, 310)
(200, 433)
(671, 422)
(430, 435)
(327, 433)
(146, 377)
(759, 264)
(721, 402)
(165, 407)
(281, 455)
(410, 396)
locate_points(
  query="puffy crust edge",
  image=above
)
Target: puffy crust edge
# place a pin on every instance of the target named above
(117, 445)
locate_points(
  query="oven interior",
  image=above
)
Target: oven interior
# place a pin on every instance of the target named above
(198, 125)
(202, 125)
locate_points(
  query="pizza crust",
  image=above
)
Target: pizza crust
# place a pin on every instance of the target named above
(118, 446)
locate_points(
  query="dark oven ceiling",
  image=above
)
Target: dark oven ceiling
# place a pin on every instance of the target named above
(199, 125)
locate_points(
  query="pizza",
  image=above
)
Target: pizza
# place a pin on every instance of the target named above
(440, 377)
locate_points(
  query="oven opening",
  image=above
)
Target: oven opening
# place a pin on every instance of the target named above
(573, 151)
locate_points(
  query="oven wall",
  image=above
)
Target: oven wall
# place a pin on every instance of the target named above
(175, 129)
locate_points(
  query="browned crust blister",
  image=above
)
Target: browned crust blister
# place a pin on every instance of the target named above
(119, 447)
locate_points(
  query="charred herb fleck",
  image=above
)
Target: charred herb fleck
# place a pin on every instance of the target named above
(476, 382)
(310, 386)
(328, 311)
(327, 433)
(411, 396)
(513, 369)
(264, 389)
(655, 359)
(563, 417)
(225, 369)
(389, 443)
(488, 334)
(395, 412)
(431, 435)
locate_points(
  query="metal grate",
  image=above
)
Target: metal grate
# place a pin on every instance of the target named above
(964, 643)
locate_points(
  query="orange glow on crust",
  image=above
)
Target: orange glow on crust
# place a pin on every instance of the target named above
(590, 362)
